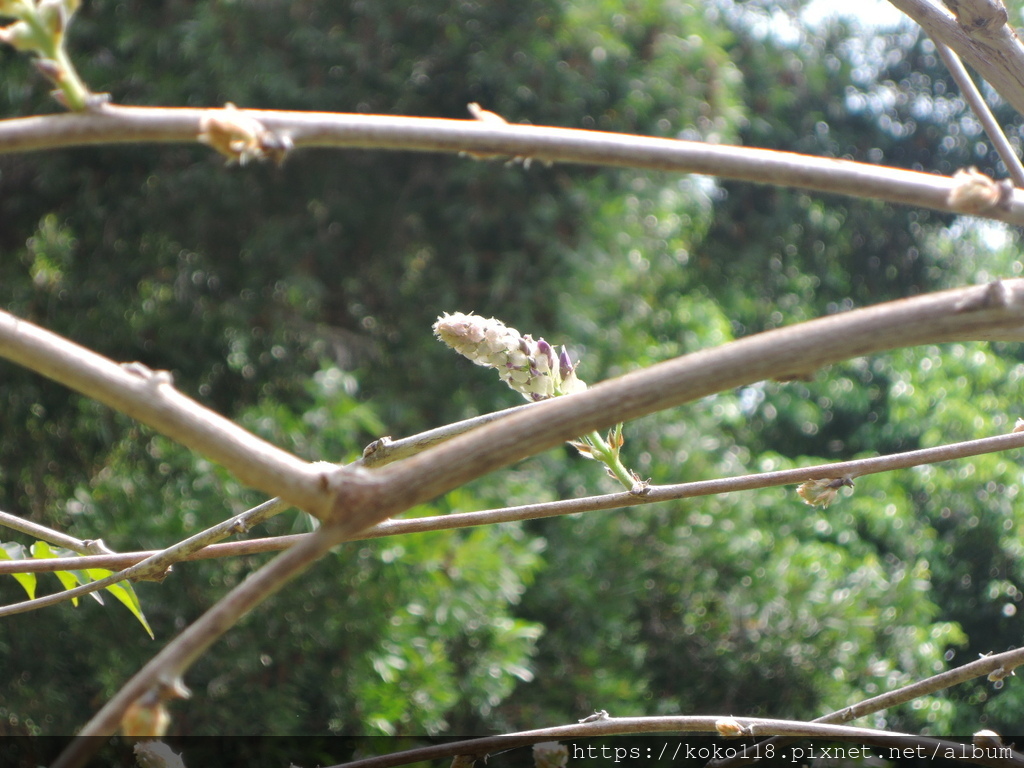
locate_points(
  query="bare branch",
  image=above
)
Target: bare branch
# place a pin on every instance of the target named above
(166, 668)
(150, 397)
(456, 520)
(745, 726)
(1000, 665)
(988, 121)
(117, 125)
(154, 565)
(978, 32)
(385, 450)
(43, 533)
(995, 311)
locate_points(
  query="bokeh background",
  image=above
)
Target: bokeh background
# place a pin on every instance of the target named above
(299, 300)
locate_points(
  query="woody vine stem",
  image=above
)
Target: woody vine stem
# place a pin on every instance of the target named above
(350, 499)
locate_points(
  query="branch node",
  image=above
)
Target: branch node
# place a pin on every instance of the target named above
(979, 15)
(975, 193)
(97, 547)
(731, 728)
(995, 295)
(987, 738)
(241, 138)
(379, 444)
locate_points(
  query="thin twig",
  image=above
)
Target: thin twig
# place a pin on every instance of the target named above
(979, 33)
(155, 565)
(996, 310)
(988, 121)
(1000, 665)
(166, 668)
(888, 742)
(654, 494)
(118, 125)
(385, 450)
(41, 532)
(150, 397)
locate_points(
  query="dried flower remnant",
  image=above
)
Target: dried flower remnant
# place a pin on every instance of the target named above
(530, 367)
(998, 675)
(492, 118)
(974, 192)
(730, 728)
(240, 137)
(821, 493)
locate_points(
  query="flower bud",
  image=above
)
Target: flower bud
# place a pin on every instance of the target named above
(21, 37)
(528, 366)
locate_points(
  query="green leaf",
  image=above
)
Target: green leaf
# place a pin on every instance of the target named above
(124, 592)
(41, 551)
(12, 551)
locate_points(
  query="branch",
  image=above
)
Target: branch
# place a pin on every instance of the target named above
(154, 565)
(996, 667)
(41, 532)
(995, 312)
(150, 397)
(977, 30)
(164, 670)
(384, 450)
(988, 121)
(729, 726)
(654, 494)
(362, 497)
(119, 125)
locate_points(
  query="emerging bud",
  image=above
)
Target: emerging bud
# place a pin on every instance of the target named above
(821, 493)
(987, 738)
(974, 192)
(54, 16)
(21, 37)
(730, 728)
(528, 366)
(50, 69)
(146, 717)
(240, 137)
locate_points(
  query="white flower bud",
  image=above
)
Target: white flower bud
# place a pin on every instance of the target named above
(527, 366)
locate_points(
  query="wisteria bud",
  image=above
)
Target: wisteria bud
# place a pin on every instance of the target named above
(21, 36)
(529, 366)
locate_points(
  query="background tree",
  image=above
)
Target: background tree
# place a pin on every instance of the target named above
(298, 300)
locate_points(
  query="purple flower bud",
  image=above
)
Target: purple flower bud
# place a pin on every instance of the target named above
(530, 367)
(565, 366)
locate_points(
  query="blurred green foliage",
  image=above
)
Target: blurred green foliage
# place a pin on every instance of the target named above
(299, 301)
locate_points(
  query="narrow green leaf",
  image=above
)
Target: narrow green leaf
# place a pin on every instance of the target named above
(124, 592)
(41, 551)
(13, 551)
